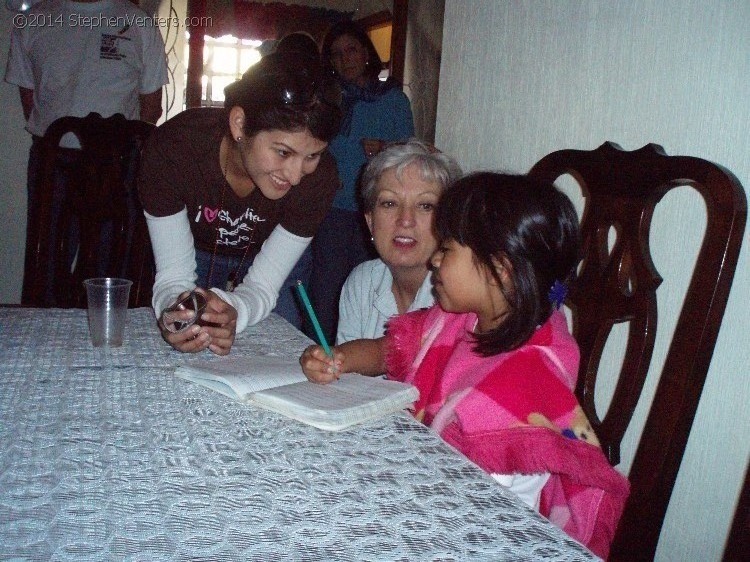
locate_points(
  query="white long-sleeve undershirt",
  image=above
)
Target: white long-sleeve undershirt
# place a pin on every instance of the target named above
(254, 298)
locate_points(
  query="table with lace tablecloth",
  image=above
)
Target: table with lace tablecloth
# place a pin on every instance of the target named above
(106, 455)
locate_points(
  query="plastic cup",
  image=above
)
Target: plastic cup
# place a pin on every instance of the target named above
(108, 308)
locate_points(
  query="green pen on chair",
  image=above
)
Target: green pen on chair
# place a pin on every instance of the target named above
(313, 318)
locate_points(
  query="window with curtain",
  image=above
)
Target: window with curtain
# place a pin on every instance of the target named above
(225, 59)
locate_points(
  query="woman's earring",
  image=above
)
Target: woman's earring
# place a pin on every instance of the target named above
(239, 139)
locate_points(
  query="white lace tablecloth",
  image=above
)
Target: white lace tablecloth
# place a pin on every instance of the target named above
(111, 457)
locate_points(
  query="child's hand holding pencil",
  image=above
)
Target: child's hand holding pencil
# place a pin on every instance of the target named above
(319, 366)
(319, 362)
(323, 364)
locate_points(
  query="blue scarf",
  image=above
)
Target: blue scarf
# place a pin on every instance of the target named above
(351, 94)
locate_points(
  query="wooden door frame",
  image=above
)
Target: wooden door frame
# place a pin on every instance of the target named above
(398, 20)
(196, 11)
(398, 38)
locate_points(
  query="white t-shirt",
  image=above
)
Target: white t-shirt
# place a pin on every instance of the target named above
(367, 301)
(528, 487)
(80, 57)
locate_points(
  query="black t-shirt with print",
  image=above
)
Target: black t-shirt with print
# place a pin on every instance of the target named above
(180, 169)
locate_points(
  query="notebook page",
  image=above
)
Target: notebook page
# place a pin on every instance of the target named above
(337, 405)
(244, 375)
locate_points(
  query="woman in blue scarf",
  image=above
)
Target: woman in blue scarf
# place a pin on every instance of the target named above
(374, 112)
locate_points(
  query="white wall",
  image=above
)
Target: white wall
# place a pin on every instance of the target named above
(424, 38)
(522, 78)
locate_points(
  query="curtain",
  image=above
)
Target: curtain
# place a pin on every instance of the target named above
(256, 20)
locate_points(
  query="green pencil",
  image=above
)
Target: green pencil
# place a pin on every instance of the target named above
(313, 318)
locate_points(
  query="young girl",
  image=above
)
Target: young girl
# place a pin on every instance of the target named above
(494, 362)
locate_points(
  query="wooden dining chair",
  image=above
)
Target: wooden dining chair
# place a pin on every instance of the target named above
(737, 547)
(618, 283)
(98, 228)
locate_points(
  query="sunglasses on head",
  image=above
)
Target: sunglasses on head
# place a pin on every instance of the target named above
(295, 91)
(286, 79)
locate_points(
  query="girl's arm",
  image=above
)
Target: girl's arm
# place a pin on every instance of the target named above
(365, 356)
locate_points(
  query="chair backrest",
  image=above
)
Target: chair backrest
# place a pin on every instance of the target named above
(738, 541)
(97, 216)
(621, 190)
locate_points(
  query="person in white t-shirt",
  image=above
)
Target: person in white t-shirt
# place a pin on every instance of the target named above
(401, 187)
(82, 56)
(72, 58)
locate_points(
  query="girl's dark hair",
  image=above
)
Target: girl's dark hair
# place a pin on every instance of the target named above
(347, 27)
(287, 92)
(520, 221)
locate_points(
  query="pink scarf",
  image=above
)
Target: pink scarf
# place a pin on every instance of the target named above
(512, 413)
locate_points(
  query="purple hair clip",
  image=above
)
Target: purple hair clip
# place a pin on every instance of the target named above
(557, 294)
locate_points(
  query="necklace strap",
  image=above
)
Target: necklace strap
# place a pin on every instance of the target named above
(232, 281)
(221, 208)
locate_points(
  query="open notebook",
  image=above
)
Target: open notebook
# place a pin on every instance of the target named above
(278, 384)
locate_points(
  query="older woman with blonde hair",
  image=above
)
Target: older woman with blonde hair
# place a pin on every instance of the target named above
(400, 190)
